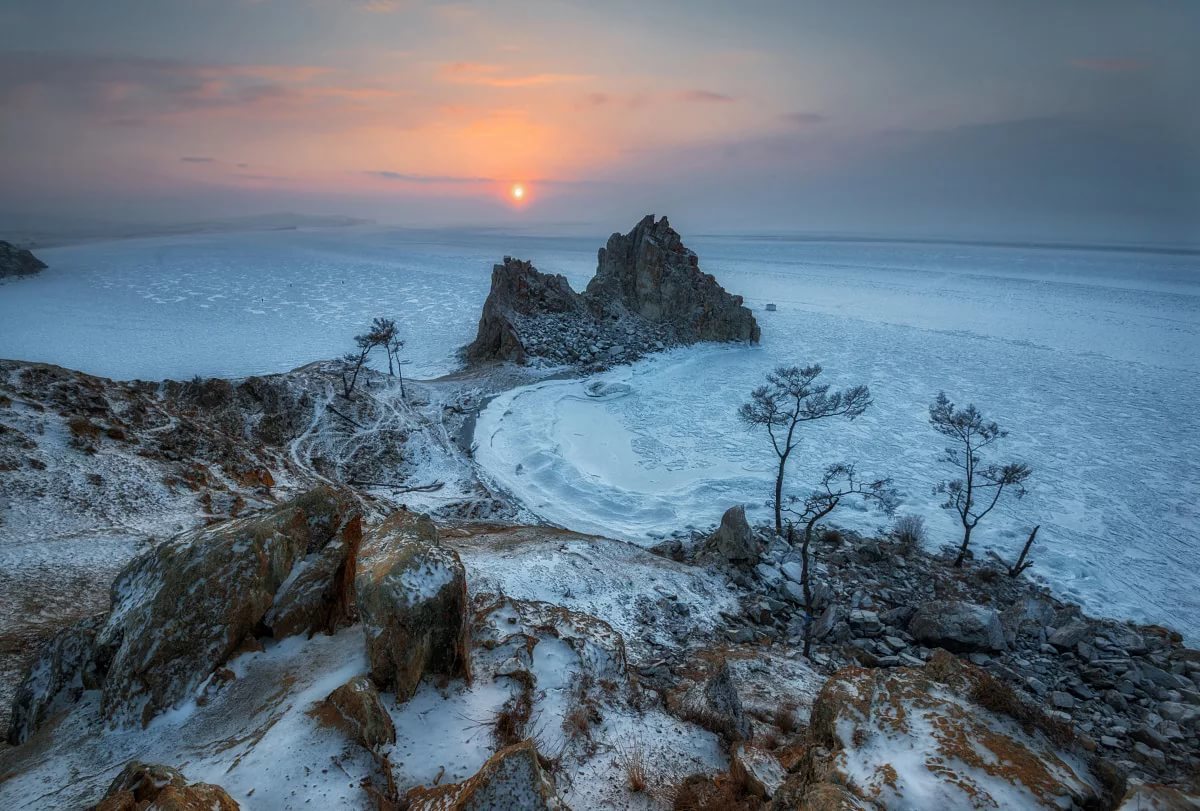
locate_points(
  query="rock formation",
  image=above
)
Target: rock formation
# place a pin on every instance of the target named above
(146, 786)
(733, 542)
(648, 293)
(958, 626)
(940, 737)
(16, 261)
(179, 611)
(412, 600)
(511, 778)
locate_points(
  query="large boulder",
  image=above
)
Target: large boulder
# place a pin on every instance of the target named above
(958, 626)
(181, 609)
(65, 668)
(153, 787)
(921, 738)
(511, 778)
(16, 261)
(358, 710)
(723, 706)
(318, 597)
(649, 272)
(733, 541)
(412, 601)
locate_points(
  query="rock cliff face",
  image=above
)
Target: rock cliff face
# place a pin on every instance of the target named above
(648, 293)
(16, 261)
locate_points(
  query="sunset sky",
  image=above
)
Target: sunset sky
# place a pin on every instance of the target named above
(1046, 120)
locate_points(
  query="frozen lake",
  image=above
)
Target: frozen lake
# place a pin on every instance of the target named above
(1090, 358)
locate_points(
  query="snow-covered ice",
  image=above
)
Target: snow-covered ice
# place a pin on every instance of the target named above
(237, 304)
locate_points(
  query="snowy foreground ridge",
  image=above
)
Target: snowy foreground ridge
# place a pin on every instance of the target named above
(258, 593)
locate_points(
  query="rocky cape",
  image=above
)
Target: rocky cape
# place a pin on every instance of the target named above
(648, 294)
(16, 261)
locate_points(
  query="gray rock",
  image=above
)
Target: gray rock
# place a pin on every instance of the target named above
(1070, 634)
(723, 704)
(958, 626)
(16, 261)
(734, 541)
(1061, 700)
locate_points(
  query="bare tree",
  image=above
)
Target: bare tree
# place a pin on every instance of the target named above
(839, 482)
(393, 346)
(791, 396)
(352, 363)
(1023, 560)
(977, 492)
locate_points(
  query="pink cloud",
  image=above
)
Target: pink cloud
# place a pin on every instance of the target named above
(1109, 65)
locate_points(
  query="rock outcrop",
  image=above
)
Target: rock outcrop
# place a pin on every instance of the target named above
(511, 778)
(182, 609)
(16, 261)
(648, 293)
(649, 273)
(153, 787)
(911, 737)
(958, 626)
(412, 600)
(318, 597)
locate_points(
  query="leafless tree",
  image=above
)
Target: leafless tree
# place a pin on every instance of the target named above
(790, 397)
(1023, 560)
(352, 363)
(393, 346)
(978, 490)
(839, 482)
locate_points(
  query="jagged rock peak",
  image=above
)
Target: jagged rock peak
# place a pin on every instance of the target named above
(648, 294)
(16, 261)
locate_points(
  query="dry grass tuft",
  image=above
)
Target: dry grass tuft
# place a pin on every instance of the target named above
(632, 757)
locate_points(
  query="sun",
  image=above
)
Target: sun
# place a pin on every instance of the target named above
(518, 192)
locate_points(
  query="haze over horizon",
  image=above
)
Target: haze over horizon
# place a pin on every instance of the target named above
(1075, 121)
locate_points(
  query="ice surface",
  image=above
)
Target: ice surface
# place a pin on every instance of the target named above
(237, 304)
(1095, 373)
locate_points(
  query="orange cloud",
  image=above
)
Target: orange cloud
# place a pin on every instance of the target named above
(488, 75)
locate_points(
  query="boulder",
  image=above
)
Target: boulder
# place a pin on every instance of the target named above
(916, 738)
(16, 261)
(319, 594)
(958, 626)
(151, 787)
(733, 541)
(1070, 634)
(65, 668)
(356, 708)
(757, 769)
(179, 611)
(511, 778)
(412, 601)
(723, 706)
(1153, 797)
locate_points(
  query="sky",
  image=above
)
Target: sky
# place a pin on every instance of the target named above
(1060, 121)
